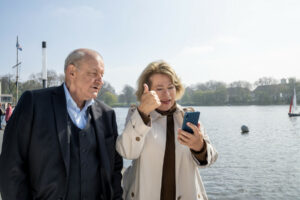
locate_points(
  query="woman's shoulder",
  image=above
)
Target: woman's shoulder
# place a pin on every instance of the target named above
(133, 107)
(131, 110)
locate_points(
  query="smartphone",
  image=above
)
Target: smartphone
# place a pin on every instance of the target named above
(192, 117)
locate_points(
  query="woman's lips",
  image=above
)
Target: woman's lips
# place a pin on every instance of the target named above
(165, 102)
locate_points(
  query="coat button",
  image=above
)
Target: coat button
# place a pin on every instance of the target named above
(132, 194)
(199, 196)
(138, 139)
(179, 197)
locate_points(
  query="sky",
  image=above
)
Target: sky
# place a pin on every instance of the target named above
(221, 40)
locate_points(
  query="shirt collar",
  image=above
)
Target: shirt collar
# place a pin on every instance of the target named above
(71, 103)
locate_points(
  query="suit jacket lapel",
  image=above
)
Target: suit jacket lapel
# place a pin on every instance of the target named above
(99, 128)
(61, 114)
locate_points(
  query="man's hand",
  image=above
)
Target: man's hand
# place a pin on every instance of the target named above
(149, 101)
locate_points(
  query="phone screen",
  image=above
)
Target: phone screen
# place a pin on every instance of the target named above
(192, 117)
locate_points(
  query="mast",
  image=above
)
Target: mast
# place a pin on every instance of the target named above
(18, 48)
(17, 74)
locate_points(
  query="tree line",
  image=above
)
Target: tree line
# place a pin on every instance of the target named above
(265, 91)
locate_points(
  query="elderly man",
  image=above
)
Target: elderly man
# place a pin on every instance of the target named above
(60, 142)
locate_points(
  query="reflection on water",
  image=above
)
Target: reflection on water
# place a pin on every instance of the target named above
(263, 164)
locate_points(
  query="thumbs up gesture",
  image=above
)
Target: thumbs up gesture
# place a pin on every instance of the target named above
(149, 100)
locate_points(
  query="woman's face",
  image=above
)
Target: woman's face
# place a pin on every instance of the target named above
(164, 89)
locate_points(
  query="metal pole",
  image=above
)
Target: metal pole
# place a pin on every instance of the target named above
(44, 62)
(17, 75)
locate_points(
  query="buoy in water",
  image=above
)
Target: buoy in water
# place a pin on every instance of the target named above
(244, 129)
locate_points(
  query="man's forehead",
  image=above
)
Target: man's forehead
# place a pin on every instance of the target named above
(93, 60)
(99, 58)
(94, 65)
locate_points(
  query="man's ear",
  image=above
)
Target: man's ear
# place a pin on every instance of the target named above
(71, 71)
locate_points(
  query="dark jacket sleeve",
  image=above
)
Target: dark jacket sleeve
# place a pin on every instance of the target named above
(14, 181)
(118, 164)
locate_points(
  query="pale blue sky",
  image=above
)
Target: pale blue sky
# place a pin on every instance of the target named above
(223, 40)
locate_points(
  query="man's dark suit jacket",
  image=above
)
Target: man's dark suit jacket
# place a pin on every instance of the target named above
(35, 158)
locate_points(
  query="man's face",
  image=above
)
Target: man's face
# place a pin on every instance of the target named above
(88, 79)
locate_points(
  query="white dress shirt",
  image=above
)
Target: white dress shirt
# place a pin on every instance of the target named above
(78, 117)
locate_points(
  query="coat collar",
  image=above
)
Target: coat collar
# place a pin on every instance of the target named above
(61, 119)
(179, 111)
(97, 115)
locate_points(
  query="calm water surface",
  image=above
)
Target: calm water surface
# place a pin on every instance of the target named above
(263, 164)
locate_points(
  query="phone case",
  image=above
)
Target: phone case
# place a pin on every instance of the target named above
(192, 117)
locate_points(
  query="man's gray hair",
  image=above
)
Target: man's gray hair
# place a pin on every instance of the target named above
(78, 55)
(74, 57)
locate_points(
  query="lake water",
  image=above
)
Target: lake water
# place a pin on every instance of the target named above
(263, 164)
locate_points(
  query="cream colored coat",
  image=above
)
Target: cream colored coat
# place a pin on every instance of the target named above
(145, 145)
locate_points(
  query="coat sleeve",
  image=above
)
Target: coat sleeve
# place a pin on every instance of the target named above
(212, 154)
(14, 181)
(131, 142)
(118, 166)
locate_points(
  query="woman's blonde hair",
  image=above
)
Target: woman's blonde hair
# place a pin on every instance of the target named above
(158, 67)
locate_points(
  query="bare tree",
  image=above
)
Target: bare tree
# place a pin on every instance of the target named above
(241, 84)
(266, 81)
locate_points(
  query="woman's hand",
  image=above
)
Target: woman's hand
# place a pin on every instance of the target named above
(193, 141)
(149, 101)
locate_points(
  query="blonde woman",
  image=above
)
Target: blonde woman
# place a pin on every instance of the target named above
(165, 159)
